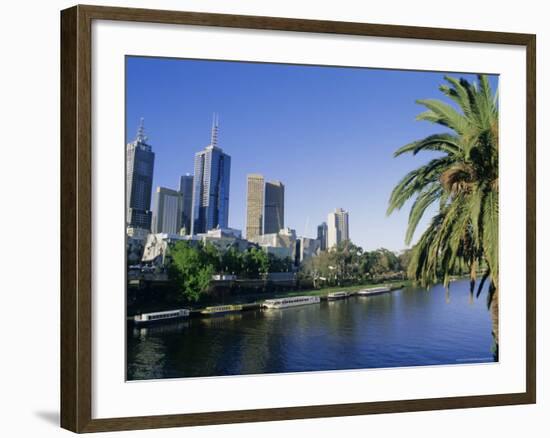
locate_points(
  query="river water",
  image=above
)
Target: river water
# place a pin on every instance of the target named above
(408, 327)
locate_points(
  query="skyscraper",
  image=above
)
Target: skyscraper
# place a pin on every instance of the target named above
(167, 211)
(254, 206)
(274, 219)
(337, 227)
(322, 235)
(211, 186)
(186, 191)
(140, 160)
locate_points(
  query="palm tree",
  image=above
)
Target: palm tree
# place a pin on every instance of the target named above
(463, 181)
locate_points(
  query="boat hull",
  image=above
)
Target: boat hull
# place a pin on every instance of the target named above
(369, 293)
(312, 300)
(147, 323)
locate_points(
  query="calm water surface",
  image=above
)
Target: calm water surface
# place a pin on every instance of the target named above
(409, 327)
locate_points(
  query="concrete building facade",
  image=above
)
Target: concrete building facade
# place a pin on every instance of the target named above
(337, 227)
(255, 206)
(167, 211)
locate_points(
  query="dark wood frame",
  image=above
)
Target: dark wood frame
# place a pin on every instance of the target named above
(76, 177)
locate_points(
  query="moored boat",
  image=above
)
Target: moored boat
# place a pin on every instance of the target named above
(216, 310)
(373, 291)
(280, 303)
(338, 295)
(154, 317)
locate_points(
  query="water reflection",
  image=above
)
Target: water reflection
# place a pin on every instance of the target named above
(409, 327)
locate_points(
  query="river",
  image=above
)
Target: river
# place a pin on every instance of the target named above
(408, 327)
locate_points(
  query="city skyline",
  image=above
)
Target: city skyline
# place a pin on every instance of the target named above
(173, 209)
(318, 172)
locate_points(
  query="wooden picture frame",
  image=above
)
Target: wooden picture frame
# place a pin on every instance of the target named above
(76, 218)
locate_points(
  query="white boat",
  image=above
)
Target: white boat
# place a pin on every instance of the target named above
(149, 318)
(338, 295)
(373, 291)
(280, 303)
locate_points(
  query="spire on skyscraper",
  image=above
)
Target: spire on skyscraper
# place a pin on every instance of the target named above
(141, 137)
(215, 127)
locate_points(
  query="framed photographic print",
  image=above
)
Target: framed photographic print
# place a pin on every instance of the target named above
(341, 214)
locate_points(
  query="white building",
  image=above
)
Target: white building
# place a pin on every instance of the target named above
(281, 244)
(157, 246)
(337, 227)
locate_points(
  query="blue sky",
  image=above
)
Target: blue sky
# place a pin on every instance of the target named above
(327, 133)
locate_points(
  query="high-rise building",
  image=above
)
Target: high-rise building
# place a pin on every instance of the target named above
(322, 231)
(337, 227)
(167, 211)
(254, 206)
(140, 160)
(274, 218)
(186, 191)
(211, 186)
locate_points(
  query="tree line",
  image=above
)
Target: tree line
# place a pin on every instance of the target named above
(348, 263)
(191, 266)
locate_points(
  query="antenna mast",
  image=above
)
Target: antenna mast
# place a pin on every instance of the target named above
(141, 137)
(215, 128)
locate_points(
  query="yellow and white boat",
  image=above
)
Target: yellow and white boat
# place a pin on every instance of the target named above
(216, 310)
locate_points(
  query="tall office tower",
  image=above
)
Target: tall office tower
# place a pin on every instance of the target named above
(274, 219)
(186, 191)
(211, 186)
(337, 227)
(254, 206)
(322, 235)
(167, 211)
(140, 160)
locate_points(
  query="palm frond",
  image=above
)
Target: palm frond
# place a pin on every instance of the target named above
(446, 143)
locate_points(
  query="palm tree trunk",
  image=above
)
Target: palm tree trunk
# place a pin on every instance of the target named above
(494, 321)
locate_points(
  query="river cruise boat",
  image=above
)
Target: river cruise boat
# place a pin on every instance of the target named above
(217, 310)
(340, 295)
(154, 317)
(373, 291)
(280, 303)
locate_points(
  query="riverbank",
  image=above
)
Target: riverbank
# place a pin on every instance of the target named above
(325, 291)
(253, 301)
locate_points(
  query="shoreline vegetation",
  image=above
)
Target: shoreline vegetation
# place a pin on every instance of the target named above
(258, 298)
(204, 275)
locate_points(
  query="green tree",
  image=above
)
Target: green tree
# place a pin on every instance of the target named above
(255, 263)
(212, 256)
(463, 183)
(404, 259)
(191, 269)
(231, 261)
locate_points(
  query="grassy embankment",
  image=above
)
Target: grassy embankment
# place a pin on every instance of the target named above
(155, 306)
